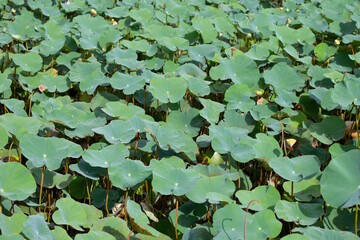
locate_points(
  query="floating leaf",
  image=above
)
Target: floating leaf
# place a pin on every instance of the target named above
(267, 196)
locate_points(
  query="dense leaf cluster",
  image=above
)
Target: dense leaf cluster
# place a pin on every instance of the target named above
(179, 119)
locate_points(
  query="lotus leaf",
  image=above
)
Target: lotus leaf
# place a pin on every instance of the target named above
(300, 213)
(128, 173)
(169, 180)
(117, 130)
(48, 151)
(344, 167)
(330, 129)
(109, 155)
(75, 214)
(319, 233)
(267, 196)
(296, 169)
(35, 227)
(207, 185)
(16, 182)
(117, 227)
(31, 62)
(168, 89)
(13, 224)
(235, 68)
(92, 235)
(188, 214)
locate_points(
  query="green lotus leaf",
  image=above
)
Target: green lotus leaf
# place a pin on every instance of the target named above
(75, 214)
(51, 178)
(55, 83)
(169, 180)
(127, 58)
(328, 130)
(238, 96)
(23, 26)
(339, 219)
(74, 6)
(258, 52)
(128, 173)
(16, 182)
(267, 147)
(20, 126)
(168, 89)
(267, 196)
(286, 98)
(128, 83)
(67, 59)
(13, 224)
(263, 111)
(35, 227)
(346, 92)
(268, 223)
(31, 62)
(108, 156)
(55, 39)
(296, 169)
(88, 74)
(295, 236)
(188, 214)
(93, 235)
(191, 70)
(88, 24)
(138, 45)
(205, 27)
(201, 52)
(110, 36)
(304, 190)
(115, 226)
(322, 52)
(323, 234)
(139, 220)
(5, 82)
(235, 68)
(211, 110)
(284, 78)
(86, 170)
(189, 121)
(197, 86)
(15, 105)
(46, 8)
(60, 234)
(117, 130)
(42, 151)
(229, 222)
(300, 213)
(355, 57)
(212, 171)
(173, 43)
(324, 97)
(98, 197)
(198, 232)
(217, 184)
(344, 167)
(121, 110)
(289, 36)
(11, 237)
